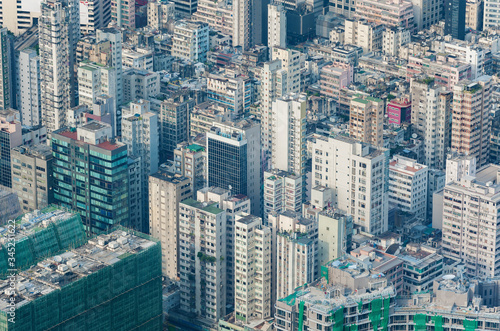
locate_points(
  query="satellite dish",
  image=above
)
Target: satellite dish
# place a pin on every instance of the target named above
(414, 136)
(58, 259)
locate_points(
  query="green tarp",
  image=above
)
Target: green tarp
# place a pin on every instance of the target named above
(438, 322)
(470, 325)
(420, 320)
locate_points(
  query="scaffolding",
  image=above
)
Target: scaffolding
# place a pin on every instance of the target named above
(125, 295)
(470, 325)
(375, 314)
(420, 321)
(438, 322)
(338, 319)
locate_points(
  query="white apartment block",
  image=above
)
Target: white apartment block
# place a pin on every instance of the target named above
(276, 25)
(114, 36)
(289, 130)
(230, 89)
(140, 84)
(334, 233)
(160, 13)
(273, 85)
(253, 275)
(393, 39)
(408, 185)
(458, 166)
(491, 15)
(166, 191)
(473, 54)
(345, 8)
(282, 191)
(474, 10)
(364, 34)
(202, 259)
(59, 31)
(19, 16)
(234, 205)
(471, 127)
(95, 80)
(470, 222)
(290, 61)
(190, 41)
(366, 119)
(358, 174)
(139, 58)
(29, 88)
(426, 13)
(218, 15)
(295, 249)
(431, 119)
(94, 14)
(243, 31)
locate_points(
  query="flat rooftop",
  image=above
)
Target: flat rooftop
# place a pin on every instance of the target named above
(58, 271)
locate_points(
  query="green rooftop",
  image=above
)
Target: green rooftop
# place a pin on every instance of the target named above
(209, 208)
(361, 101)
(196, 148)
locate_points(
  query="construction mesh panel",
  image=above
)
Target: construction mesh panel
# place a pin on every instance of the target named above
(99, 318)
(25, 256)
(73, 300)
(24, 319)
(375, 314)
(153, 325)
(98, 287)
(46, 311)
(338, 319)
(360, 306)
(45, 242)
(70, 232)
(124, 312)
(438, 322)
(420, 320)
(354, 327)
(147, 264)
(470, 325)
(301, 315)
(149, 300)
(124, 275)
(74, 324)
(324, 272)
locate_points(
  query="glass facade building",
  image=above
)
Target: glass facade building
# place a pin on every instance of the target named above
(91, 179)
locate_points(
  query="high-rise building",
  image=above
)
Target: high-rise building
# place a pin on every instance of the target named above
(140, 134)
(174, 119)
(334, 235)
(30, 104)
(289, 131)
(294, 252)
(471, 118)
(95, 80)
(367, 35)
(218, 16)
(58, 30)
(6, 81)
(393, 39)
(474, 14)
(160, 14)
(454, 18)
(233, 159)
(408, 185)
(276, 26)
(392, 13)
(282, 191)
(333, 78)
(91, 175)
(19, 17)
(140, 84)
(253, 281)
(358, 173)
(190, 160)
(458, 166)
(123, 13)
(230, 89)
(202, 259)
(290, 61)
(190, 41)
(470, 234)
(94, 14)
(114, 37)
(399, 111)
(427, 13)
(234, 205)
(77, 276)
(32, 176)
(165, 193)
(185, 8)
(366, 120)
(431, 120)
(10, 136)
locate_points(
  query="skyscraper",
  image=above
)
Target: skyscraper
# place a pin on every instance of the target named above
(91, 175)
(454, 18)
(471, 118)
(10, 137)
(59, 30)
(233, 153)
(94, 14)
(29, 88)
(276, 28)
(123, 13)
(6, 83)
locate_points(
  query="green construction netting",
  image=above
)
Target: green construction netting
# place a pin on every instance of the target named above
(375, 314)
(56, 237)
(124, 296)
(420, 320)
(353, 327)
(385, 320)
(438, 322)
(470, 325)
(360, 306)
(324, 272)
(301, 315)
(338, 319)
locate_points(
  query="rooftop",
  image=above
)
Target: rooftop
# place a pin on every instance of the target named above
(211, 208)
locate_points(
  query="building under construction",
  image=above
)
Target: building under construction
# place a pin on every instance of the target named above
(65, 281)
